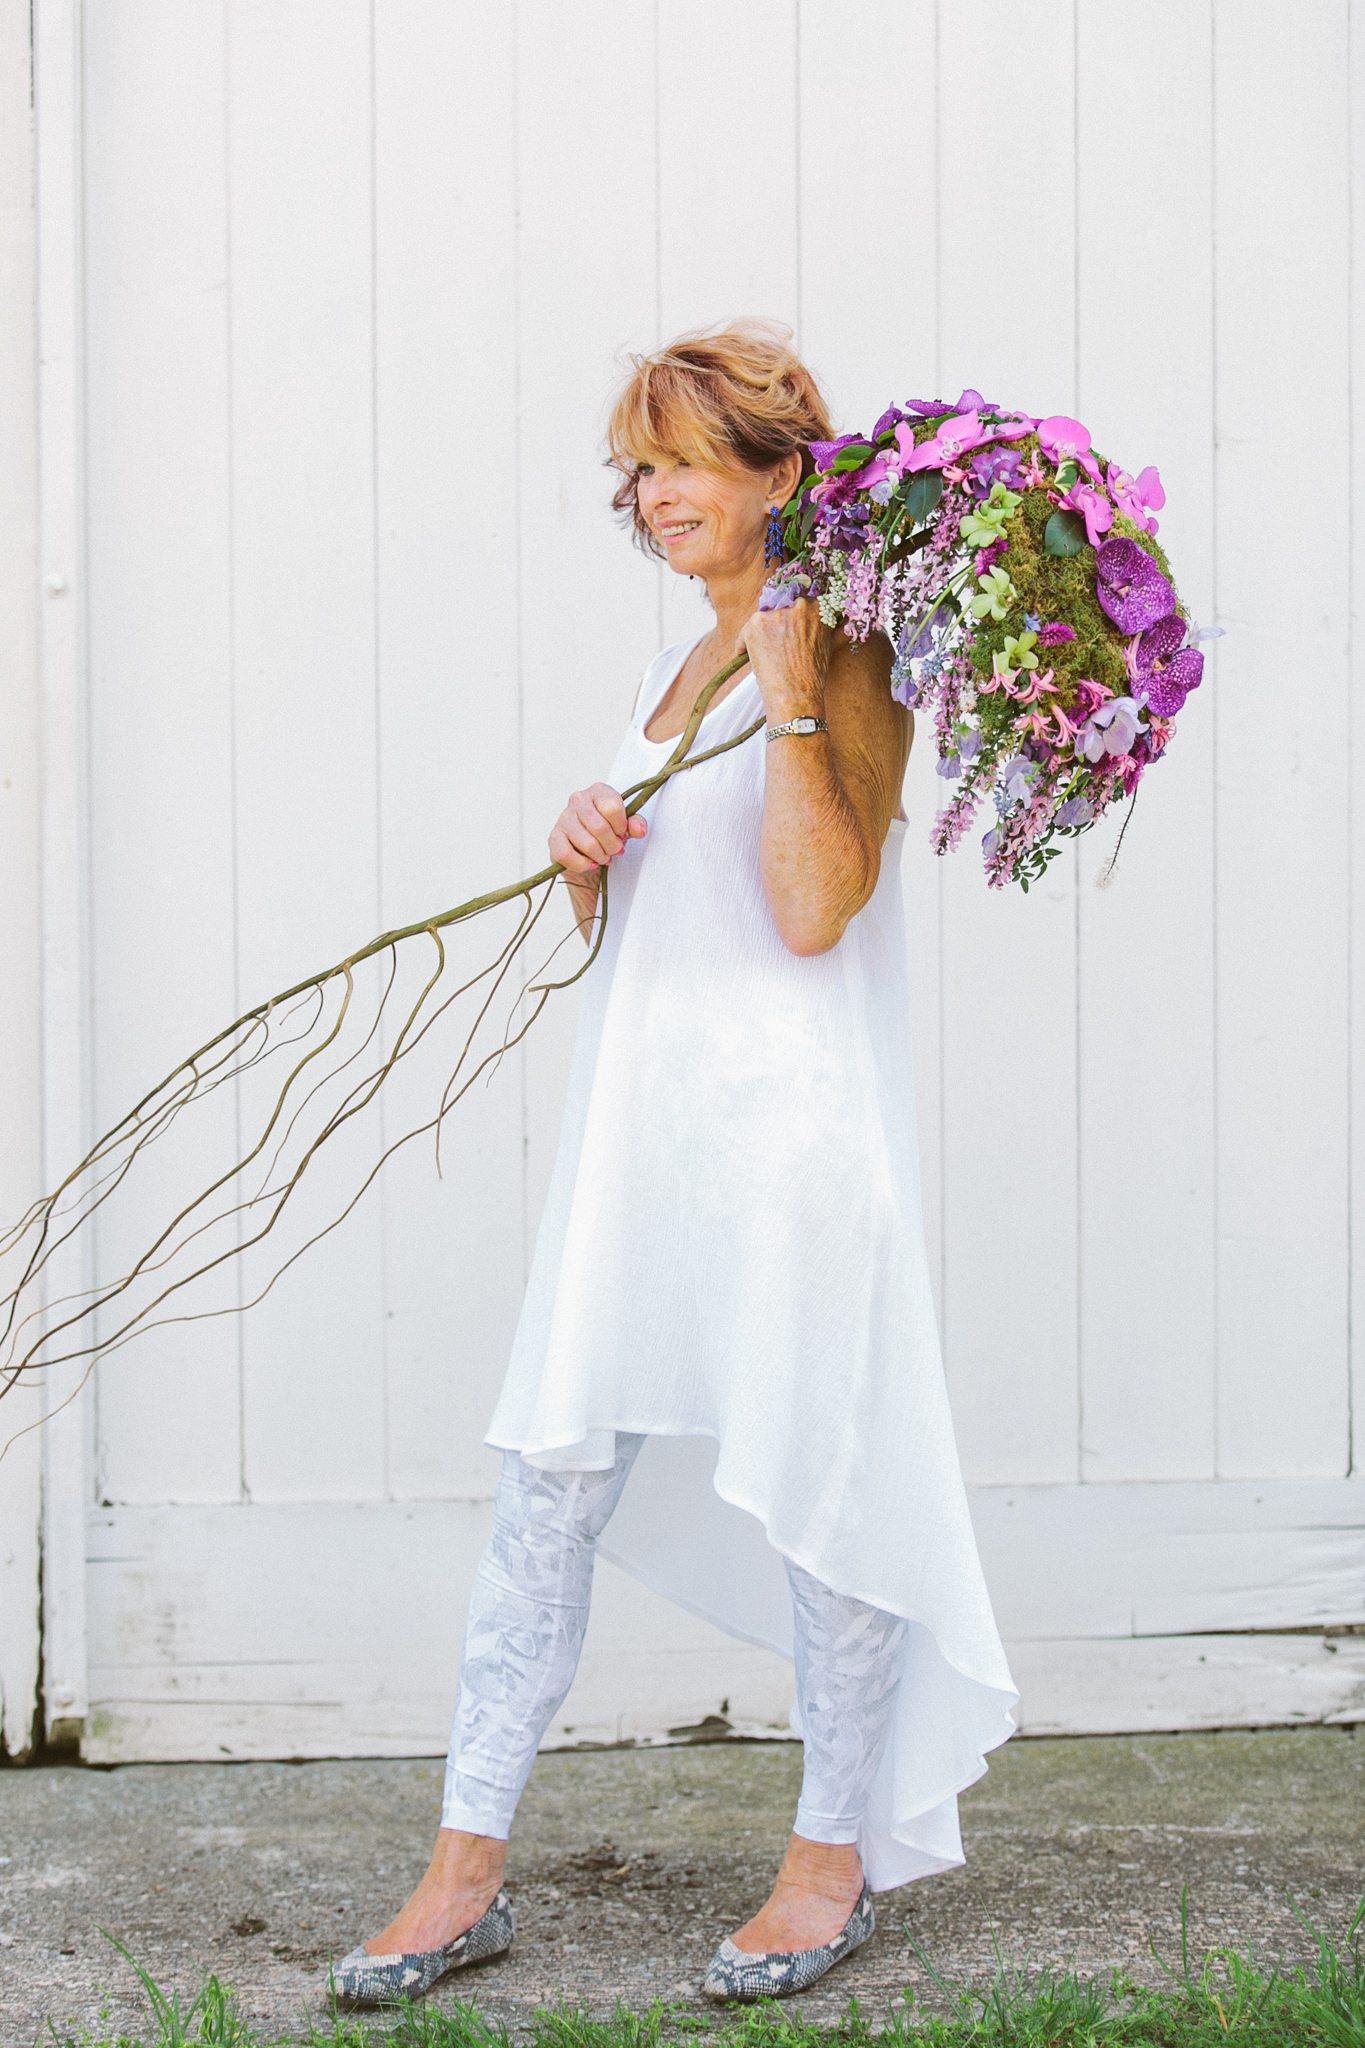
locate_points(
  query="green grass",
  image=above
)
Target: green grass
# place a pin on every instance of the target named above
(1226, 2000)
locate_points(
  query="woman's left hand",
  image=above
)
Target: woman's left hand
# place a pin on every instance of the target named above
(789, 652)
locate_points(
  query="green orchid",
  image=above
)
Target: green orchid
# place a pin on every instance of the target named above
(995, 597)
(985, 525)
(1017, 653)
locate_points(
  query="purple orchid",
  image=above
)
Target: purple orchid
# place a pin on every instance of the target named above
(994, 465)
(823, 453)
(1131, 589)
(892, 417)
(1064, 440)
(1110, 730)
(1164, 669)
(1136, 497)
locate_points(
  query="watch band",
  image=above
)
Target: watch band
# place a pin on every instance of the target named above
(800, 727)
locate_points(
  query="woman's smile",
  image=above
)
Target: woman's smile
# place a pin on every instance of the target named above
(670, 530)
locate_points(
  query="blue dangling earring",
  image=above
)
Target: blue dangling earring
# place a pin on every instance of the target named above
(772, 546)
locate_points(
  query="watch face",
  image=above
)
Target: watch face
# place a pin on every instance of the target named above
(805, 725)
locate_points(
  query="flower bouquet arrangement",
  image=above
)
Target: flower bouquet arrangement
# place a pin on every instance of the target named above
(1031, 608)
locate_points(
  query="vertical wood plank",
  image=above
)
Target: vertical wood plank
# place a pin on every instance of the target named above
(21, 1135)
(299, 94)
(727, 181)
(1356, 180)
(589, 604)
(865, 364)
(1146, 940)
(449, 714)
(64, 907)
(728, 192)
(1009, 961)
(161, 823)
(1280, 134)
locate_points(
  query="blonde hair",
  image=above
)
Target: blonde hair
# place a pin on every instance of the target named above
(739, 394)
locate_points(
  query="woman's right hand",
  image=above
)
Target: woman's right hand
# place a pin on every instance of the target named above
(592, 829)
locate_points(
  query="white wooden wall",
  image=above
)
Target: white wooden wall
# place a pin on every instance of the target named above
(330, 295)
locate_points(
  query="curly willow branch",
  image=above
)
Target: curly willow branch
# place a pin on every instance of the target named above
(318, 1099)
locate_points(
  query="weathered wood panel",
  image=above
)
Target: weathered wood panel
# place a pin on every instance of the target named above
(1009, 963)
(161, 724)
(187, 1660)
(1281, 213)
(21, 1048)
(302, 297)
(448, 702)
(1145, 1104)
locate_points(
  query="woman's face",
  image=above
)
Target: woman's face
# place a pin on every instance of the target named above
(712, 522)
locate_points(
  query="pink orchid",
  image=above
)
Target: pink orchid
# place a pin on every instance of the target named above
(1137, 497)
(880, 467)
(1094, 507)
(955, 438)
(1063, 440)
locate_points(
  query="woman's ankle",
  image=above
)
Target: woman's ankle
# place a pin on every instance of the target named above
(832, 1869)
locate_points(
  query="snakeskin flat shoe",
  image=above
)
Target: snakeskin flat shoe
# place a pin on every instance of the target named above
(383, 1980)
(742, 1979)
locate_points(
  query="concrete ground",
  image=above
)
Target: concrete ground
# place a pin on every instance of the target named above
(628, 1866)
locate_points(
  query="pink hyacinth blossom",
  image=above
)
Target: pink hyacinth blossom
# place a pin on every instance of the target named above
(1063, 440)
(1137, 497)
(1033, 476)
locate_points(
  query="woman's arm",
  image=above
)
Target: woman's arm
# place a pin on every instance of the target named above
(830, 798)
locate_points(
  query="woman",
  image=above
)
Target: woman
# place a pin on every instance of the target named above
(730, 1287)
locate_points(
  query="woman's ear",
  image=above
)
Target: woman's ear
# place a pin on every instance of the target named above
(786, 477)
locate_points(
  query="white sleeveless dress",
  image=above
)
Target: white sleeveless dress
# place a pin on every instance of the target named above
(731, 1262)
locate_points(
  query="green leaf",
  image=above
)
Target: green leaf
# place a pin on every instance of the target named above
(853, 457)
(923, 493)
(1064, 534)
(1066, 477)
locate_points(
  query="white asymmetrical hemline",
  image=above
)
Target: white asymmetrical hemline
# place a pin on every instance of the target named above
(731, 1262)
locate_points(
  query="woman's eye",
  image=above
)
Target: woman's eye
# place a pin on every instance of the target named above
(644, 469)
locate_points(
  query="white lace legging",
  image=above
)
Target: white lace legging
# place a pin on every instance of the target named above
(527, 1615)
